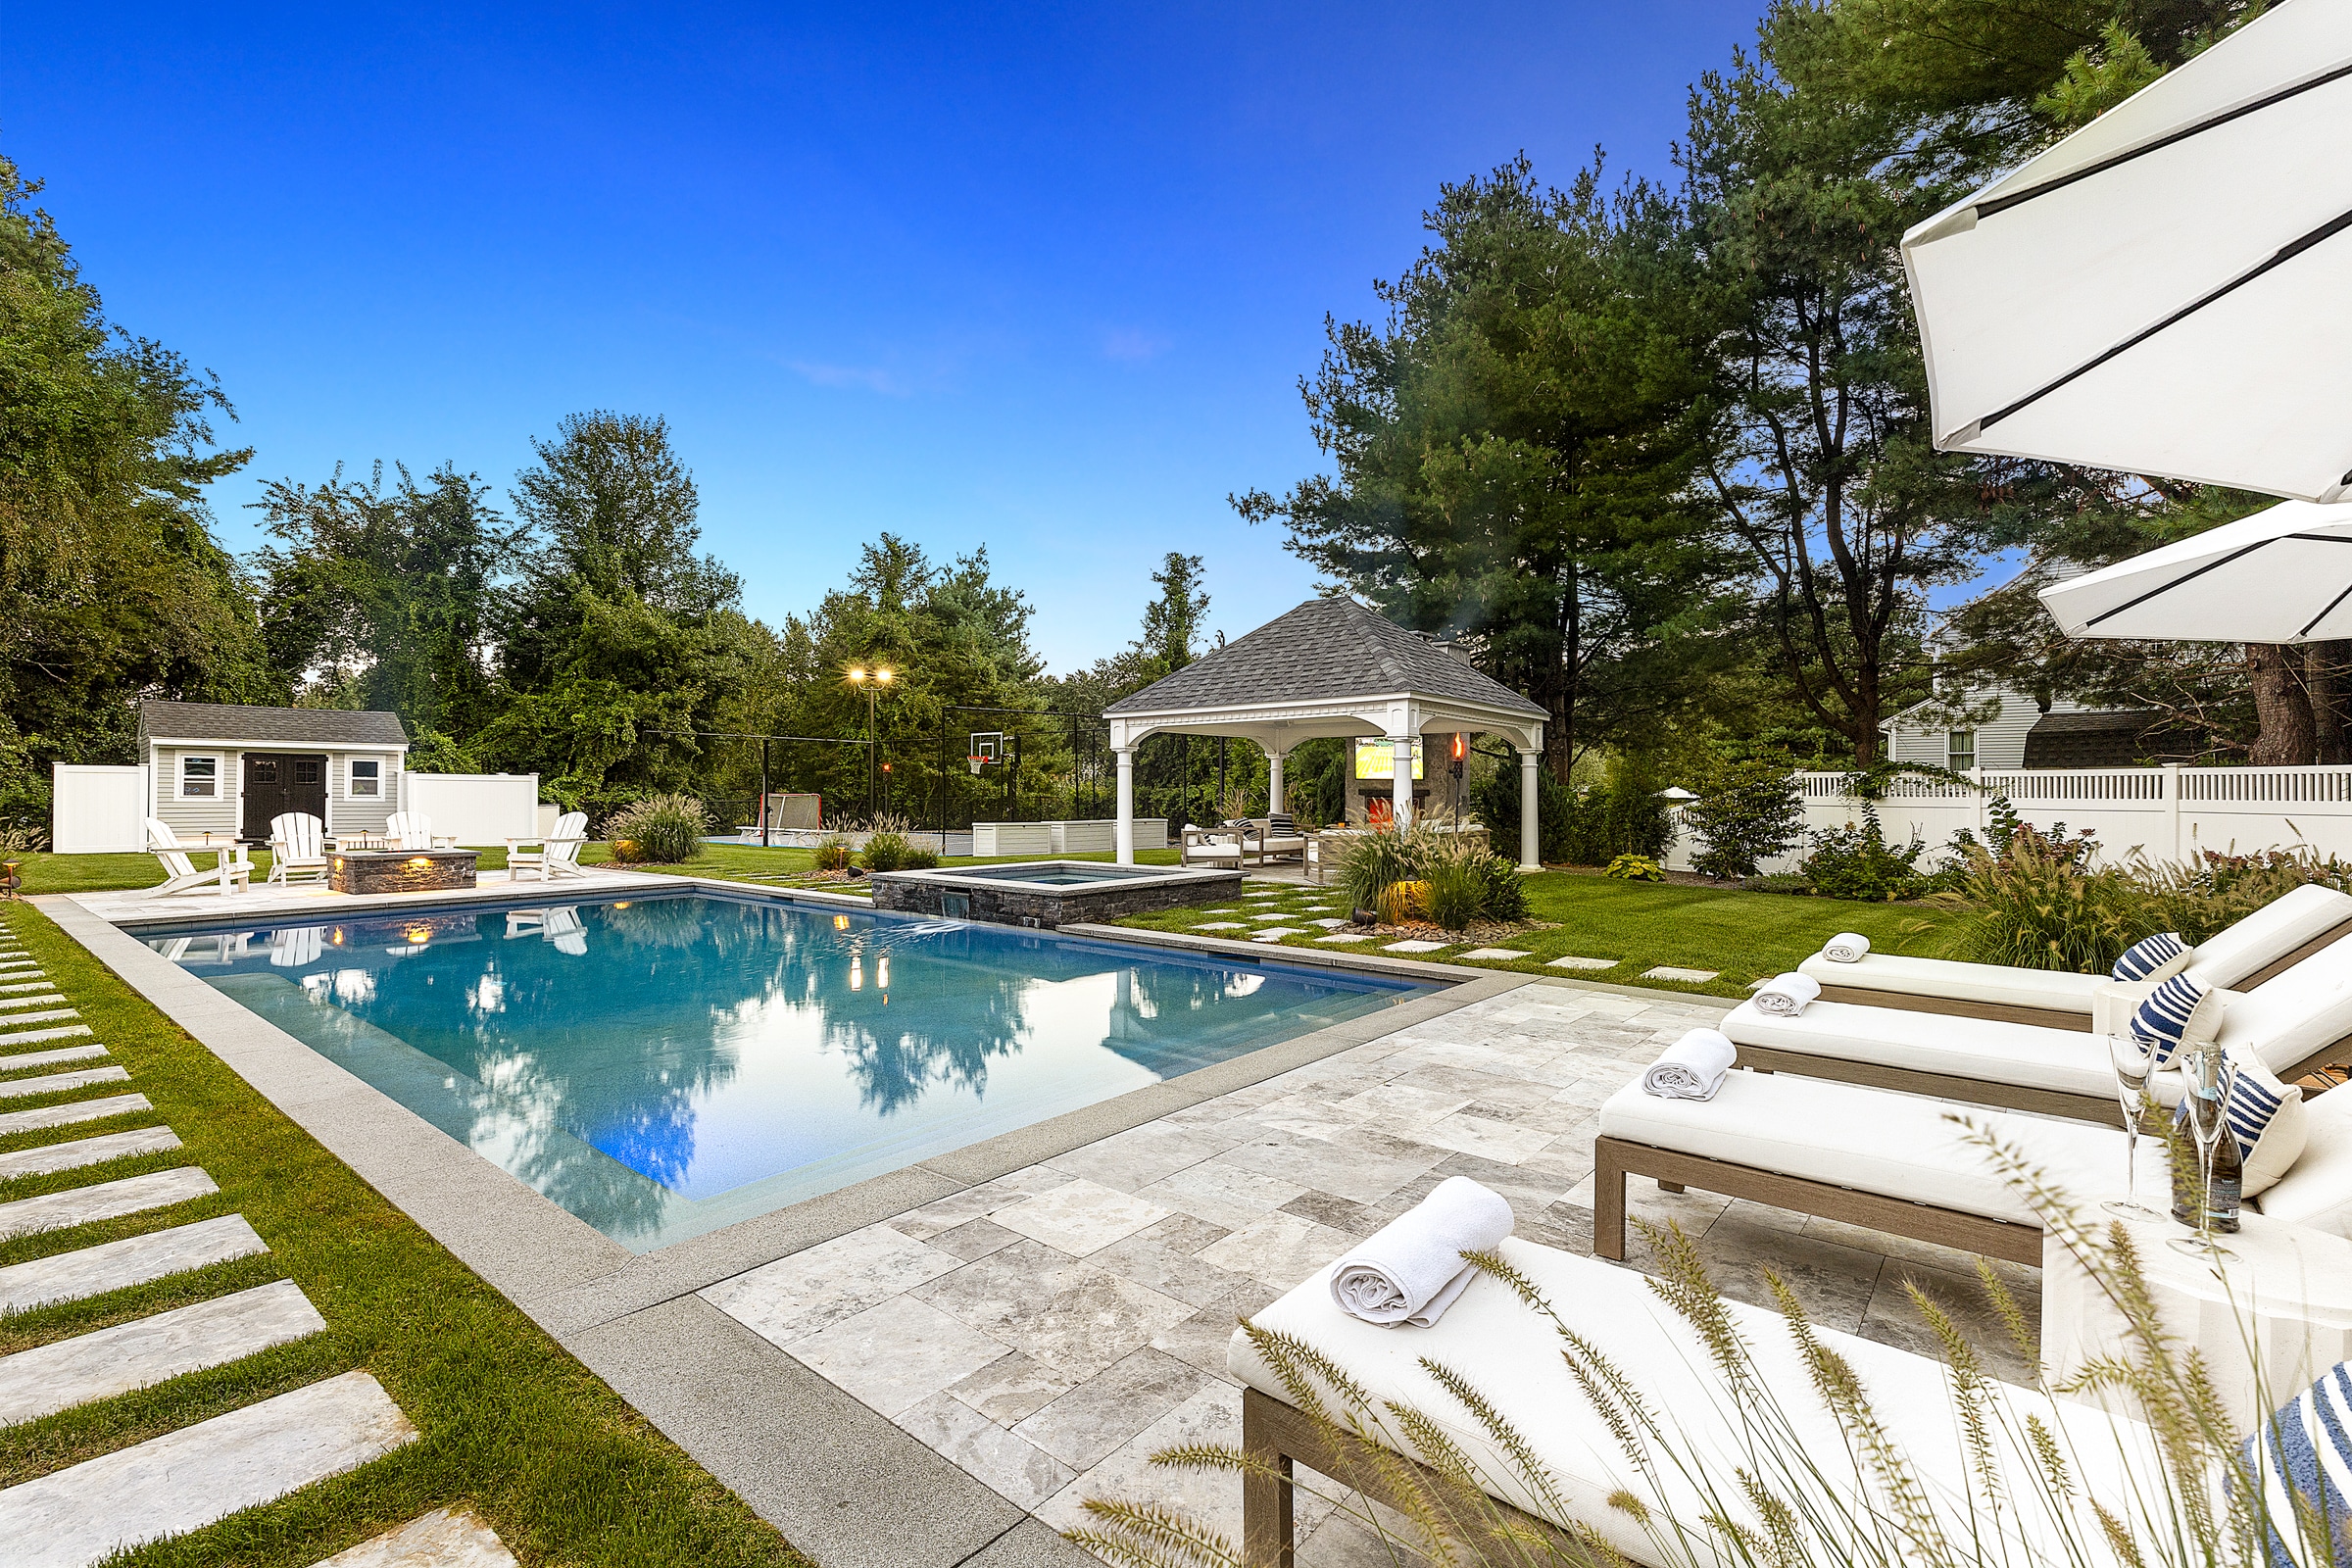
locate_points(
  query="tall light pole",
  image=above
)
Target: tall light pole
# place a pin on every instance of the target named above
(871, 681)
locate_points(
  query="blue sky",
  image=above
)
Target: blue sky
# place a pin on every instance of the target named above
(1040, 279)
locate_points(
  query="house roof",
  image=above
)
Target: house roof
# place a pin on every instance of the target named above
(1327, 648)
(270, 726)
(2115, 738)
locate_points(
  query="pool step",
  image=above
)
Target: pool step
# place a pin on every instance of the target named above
(446, 1538)
(47, 1058)
(133, 1260)
(148, 1350)
(26, 1121)
(19, 1088)
(81, 1205)
(80, 1151)
(185, 1479)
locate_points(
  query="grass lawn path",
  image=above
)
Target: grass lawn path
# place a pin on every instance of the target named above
(542, 1449)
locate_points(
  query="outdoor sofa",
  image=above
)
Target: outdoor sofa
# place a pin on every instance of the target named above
(2284, 932)
(2291, 1021)
(1513, 1356)
(1900, 1164)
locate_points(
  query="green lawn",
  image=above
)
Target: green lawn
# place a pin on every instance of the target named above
(1744, 936)
(551, 1458)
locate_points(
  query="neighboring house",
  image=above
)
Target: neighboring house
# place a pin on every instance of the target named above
(2020, 735)
(229, 768)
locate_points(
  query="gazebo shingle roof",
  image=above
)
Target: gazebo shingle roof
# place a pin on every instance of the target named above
(1327, 648)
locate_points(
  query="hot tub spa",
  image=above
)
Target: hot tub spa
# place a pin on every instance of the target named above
(1051, 893)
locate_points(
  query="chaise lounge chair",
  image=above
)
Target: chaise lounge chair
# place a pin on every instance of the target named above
(2285, 932)
(179, 872)
(1513, 1356)
(1896, 1162)
(2291, 1022)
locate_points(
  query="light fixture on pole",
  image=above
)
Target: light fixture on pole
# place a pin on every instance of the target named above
(871, 681)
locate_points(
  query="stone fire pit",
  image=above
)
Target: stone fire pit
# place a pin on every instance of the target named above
(400, 871)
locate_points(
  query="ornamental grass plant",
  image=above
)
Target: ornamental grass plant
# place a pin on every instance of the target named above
(2170, 1488)
(663, 829)
(1397, 873)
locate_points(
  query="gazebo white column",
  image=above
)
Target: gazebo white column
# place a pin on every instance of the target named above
(1401, 804)
(1274, 791)
(1529, 847)
(1124, 839)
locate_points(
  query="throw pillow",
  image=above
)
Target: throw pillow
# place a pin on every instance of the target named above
(2298, 1458)
(2266, 1118)
(1281, 825)
(2156, 958)
(2179, 1012)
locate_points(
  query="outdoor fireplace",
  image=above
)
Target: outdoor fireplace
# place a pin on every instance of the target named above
(400, 871)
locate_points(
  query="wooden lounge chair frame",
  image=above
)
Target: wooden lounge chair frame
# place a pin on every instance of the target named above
(1616, 1158)
(1278, 1438)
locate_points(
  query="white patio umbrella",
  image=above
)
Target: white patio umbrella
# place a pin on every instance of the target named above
(2284, 576)
(2168, 290)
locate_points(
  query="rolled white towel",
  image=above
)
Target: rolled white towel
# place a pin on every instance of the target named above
(1410, 1270)
(1785, 996)
(1693, 1067)
(1847, 946)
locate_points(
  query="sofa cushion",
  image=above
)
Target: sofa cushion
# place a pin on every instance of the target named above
(2180, 1012)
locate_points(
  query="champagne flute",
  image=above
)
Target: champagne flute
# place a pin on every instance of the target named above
(2132, 1061)
(2206, 1124)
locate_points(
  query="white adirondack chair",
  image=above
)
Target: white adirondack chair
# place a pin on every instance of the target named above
(558, 854)
(561, 926)
(179, 872)
(409, 830)
(297, 847)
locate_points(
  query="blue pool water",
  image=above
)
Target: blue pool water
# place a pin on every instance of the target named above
(660, 1066)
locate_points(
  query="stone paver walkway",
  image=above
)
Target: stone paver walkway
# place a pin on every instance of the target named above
(1050, 1330)
(181, 1481)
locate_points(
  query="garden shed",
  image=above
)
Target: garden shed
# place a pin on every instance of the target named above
(229, 768)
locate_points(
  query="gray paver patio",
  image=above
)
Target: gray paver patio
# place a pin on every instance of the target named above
(1047, 1332)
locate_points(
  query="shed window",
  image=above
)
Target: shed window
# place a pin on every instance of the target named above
(1960, 750)
(199, 777)
(366, 780)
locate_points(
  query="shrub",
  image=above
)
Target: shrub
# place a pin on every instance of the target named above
(1636, 868)
(887, 850)
(1456, 892)
(1855, 862)
(1375, 864)
(1503, 891)
(833, 853)
(1778, 882)
(1621, 816)
(1749, 813)
(918, 860)
(661, 828)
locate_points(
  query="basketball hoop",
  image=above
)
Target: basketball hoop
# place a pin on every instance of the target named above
(975, 763)
(986, 746)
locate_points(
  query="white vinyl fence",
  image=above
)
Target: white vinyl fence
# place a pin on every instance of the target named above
(2166, 813)
(477, 809)
(98, 810)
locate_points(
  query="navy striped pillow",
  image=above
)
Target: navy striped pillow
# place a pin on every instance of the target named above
(2161, 1022)
(2248, 1106)
(2301, 1456)
(2152, 958)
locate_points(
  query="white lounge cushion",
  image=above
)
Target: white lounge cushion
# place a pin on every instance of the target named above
(1876, 1141)
(1513, 1356)
(2317, 1189)
(2291, 1017)
(1954, 981)
(2271, 932)
(2070, 1062)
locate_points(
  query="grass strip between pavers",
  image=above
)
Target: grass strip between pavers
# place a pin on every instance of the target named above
(510, 1424)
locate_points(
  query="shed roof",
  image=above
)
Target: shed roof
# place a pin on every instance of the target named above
(270, 726)
(1327, 648)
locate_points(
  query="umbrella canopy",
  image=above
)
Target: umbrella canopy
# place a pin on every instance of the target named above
(2169, 290)
(2284, 576)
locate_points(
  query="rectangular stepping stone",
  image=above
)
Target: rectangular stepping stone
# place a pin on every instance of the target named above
(53, 1212)
(26, 1121)
(133, 1260)
(185, 1479)
(1572, 961)
(1277, 933)
(1348, 936)
(1667, 971)
(25, 984)
(1495, 954)
(1414, 945)
(446, 1538)
(50, 1059)
(1328, 923)
(87, 1152)
(19, 1088)
(48, 1016)
(52, 995)
(62, 1030)
(1221, 925)
(148, 1350)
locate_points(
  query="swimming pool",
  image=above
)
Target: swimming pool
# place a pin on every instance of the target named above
(664, 1065)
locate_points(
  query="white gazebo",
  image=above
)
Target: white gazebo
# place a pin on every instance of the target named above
(1330, 668)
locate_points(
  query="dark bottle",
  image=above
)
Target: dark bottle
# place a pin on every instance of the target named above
(2189, 1183)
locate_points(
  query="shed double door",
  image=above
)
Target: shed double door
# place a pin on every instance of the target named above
(277, 783)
